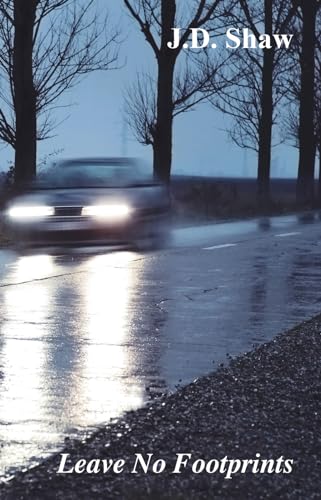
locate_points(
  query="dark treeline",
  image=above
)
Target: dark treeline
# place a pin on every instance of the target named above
(271, 94)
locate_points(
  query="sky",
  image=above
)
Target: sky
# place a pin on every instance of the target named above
(94, 124)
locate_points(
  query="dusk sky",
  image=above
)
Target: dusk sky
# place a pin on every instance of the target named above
(94, 125)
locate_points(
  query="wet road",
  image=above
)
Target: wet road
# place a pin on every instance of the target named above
(85, 337)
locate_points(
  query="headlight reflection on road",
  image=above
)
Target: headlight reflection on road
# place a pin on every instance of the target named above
(25, 309)
(106, 353)
(67, 357)
(32, 267)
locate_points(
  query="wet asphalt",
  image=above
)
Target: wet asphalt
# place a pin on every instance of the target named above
(86, 336)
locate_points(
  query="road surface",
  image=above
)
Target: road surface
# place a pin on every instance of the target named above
(86, 336)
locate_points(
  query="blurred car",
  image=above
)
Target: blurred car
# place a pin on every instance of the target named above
(89, 201)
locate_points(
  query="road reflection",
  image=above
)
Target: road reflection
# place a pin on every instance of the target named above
(68, 357)
(23, 391)
(105, 332)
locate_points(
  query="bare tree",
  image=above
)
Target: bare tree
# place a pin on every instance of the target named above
(290, 118)
(152, 104)
(301, 122)
(259, 88)
(140, 108)
(195, 82)
(46, 47)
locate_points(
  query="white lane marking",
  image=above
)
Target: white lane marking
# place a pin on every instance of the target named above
(284, 235)
(215, 247)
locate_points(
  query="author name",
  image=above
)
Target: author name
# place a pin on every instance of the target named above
(235, 38)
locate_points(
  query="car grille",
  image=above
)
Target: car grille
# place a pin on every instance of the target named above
(68, 211)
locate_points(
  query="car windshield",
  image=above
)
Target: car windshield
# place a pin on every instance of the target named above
(73, 174)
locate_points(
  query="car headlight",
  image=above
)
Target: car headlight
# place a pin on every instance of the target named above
(23, 212)
(112, 212)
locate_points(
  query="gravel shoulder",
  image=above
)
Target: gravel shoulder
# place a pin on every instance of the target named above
(265, 404)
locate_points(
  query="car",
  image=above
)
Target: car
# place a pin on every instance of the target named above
(89, 201)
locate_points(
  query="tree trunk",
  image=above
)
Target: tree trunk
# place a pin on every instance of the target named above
(162, 146)
(24, 92)
(305, 181)
(164, 126)
(265, 130)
